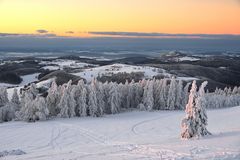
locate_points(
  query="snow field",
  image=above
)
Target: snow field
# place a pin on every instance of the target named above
(130, 135)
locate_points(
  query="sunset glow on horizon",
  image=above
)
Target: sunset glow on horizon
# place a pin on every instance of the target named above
(78, 17)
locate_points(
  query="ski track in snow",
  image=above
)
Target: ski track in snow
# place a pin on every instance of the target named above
(135, 126)
(89, 138)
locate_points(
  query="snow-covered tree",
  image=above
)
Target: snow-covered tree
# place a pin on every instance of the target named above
(94, 110)
(27, 111)
(67, 103)
(179, 95)
(7, 112)
(53, 99)
(115, 100)
(192, 125)
(3, 96)
(80, 96)
(148, 100)
(171, 101)
(185, 94)
(201, 111)
(15, 100)
(41, 108)
(100, 97)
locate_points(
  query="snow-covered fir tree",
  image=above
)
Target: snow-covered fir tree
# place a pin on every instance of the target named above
(171, 101)
(201, 111)
(15, 100)
(67, 103)
(80, 96)
(94, 109)
(194, 124)
(148, 100)
(53, 99)
(115, 99)
(3, 96)
(179, 95)
(40, 108)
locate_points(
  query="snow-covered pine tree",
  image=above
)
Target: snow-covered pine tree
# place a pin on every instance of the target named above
(115, 99)
(3, 96)
(138, 94)
(185, 94)
(100, 97)
(67, 103)
(148, 100)
(7, 112)
(163, 95)
(92, 101)
(171, 101)
(27, 111)
(157, 94)
(131, 95)
(41, 109)
(201, 113)
(192, 125)
(53, 99)
(189, 127)
(80, 96)
(179, 95)
(15, 100)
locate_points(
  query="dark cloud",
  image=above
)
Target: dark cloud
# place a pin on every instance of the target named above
(26, 35)
(70, 32)
(162, 35)
(8, 34)
(42, 31)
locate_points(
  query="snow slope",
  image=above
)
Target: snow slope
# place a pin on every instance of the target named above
(62, 63)
(25, 80)
(131, 135)
(149, 72)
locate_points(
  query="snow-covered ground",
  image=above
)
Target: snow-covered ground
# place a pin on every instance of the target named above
(149, 72)
(25, 80)
(131, 135)
(188, 59)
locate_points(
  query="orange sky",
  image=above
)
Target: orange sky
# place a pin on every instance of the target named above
(79, 16)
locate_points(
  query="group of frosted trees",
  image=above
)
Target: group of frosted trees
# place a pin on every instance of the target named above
(96, 99)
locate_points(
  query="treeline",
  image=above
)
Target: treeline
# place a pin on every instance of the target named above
(97, 99)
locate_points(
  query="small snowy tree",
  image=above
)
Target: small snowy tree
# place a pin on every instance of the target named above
(201, 111)
(192, 125)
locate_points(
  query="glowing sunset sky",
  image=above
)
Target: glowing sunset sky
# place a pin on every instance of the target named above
(74, 17)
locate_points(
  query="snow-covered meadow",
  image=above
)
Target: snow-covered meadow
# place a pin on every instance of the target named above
(149, 72)
(130, 135)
